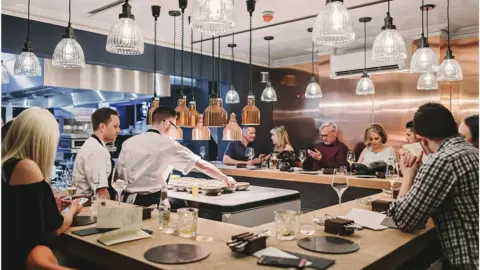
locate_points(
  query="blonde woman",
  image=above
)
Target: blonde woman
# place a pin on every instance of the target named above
(280, 139)
(28, 203)
(375, 138)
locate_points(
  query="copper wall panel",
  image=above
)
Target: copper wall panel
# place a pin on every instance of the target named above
(393, 105)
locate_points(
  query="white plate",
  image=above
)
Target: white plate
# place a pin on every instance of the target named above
(309, 172)
(365, 176)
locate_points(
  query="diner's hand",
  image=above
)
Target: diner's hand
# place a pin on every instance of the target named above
(409, 163)
(75, 206)
(61, 204)
(315, 154)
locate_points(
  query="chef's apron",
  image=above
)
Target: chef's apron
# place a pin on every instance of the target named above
(111, 191)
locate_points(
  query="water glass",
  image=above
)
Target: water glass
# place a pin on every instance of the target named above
(286, 223)
(172, 226)
(250, 153)
(392, 175)
(306, 224)
(187, 222)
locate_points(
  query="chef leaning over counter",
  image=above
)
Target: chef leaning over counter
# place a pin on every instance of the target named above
(148, 160)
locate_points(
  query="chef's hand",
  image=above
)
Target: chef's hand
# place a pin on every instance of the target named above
(315, 154)
(230, 181)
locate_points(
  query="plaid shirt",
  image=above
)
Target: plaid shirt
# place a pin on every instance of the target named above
(446, 189)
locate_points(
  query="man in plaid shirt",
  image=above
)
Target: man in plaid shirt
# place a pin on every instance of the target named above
(444, 188)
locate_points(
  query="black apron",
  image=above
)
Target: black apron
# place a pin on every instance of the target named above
(111, 190)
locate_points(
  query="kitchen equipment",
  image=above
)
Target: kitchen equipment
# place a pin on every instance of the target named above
(229, 189)
(211, 187)
(178, 185)
(242, 186)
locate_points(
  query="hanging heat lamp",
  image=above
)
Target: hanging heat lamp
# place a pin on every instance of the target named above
(174, 14)
(219, 87)
(68, 53)
(232, 132)
(313, 89)
(125, 36)
(250, 113)
(183, 113)
(450, 69)
(333, 25)
(424, 59)
(27, 63)
(389, 44)
(232, 95)
(212, 116)
(269, 94)
(155, 100)
(193, 104)
(365, 86)
(213, 17)
(5, 77)
(427, 81)
(200, 132)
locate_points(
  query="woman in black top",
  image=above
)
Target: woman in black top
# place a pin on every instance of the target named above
(30, 216)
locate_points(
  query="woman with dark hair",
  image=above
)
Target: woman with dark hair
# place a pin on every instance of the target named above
(469, 129)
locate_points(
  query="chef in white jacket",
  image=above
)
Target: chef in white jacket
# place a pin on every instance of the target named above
(149, 158)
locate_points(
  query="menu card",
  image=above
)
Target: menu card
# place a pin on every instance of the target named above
(368, 219)
(119, 217)
(122, 235)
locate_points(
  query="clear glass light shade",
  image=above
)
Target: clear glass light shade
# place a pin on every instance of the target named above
(232, 96)
(5, 77)
(424, 60)
(27, 64)
(313, 90)
(333, 25)
(427, 81)
(213, 17)
(125, 38)
(365, 86)
(68, 54)
(389, 46)
(268, 94)
(450, 70)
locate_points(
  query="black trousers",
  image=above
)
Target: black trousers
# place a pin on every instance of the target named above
(145, 200)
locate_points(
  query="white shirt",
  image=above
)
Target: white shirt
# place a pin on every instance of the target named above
(92, 162)
(369, 156)
(149, 158)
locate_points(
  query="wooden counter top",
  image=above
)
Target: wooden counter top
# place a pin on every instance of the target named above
(384, 249)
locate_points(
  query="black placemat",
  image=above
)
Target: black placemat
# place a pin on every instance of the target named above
(176, 254)
(83, 220)
(328, 245)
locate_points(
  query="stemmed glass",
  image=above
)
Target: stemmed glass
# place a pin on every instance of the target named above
(340, 184)
(202, 151)
(392, 174)
(119, 185)
(250, 153)
(351, 159)
(302, 155)
(71, 189)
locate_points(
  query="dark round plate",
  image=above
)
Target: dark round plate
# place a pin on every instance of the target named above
(83, 220)
(176, 254)
(328, 245)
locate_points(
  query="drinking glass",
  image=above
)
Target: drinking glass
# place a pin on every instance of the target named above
(392, 175)
(172, 226)
(250, 153)
(302, 155)
(306, 224)
(202, 151)
(351, 159)
(71, 189)
(187, 222)
(119, 186)
(286, 223)
(340, 184)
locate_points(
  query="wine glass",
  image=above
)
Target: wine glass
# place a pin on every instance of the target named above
(72, 189)
(302, 155)
(120, 185)
(250, 153)
(351, 159)
(340, 184)
(202, 151)
(392, 175)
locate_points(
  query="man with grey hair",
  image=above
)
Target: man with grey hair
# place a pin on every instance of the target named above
(331, 153)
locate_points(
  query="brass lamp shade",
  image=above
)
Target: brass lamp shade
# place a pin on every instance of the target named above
(194, 115)
(250, 113)
(155, 104)
(232, 132)
(224, 112)
(183, 119)
(179, 134)
(213, 114)
(200, 132)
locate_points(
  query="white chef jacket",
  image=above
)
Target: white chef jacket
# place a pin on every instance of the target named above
(92, 161)
(149, 158)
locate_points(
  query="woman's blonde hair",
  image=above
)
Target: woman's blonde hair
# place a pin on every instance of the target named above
(377, 129)
(282, 137)
(34, 135)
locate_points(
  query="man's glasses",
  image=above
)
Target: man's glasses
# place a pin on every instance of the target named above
(175, 126)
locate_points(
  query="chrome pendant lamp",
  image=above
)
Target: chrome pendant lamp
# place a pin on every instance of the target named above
(213, 17)
(269, 94)
(68, 53)
(365, 86)
(313, 89)
(250, 113)
(424, 59)
(333, 25)
(125, 37)
(27, 63)
(155, 100)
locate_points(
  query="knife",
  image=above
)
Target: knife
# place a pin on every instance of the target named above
(317, 262)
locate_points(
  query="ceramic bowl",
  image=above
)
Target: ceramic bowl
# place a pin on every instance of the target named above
(242, 185)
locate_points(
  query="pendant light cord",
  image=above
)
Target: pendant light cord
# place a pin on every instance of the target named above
(191, 64)
(181, 60)
(154, 58)
(268, 54)
(233, 59)
(201, 60)
(365, 47)
(422, 18)
(250, 58)
(213, 67)
(448, 23)
(28, 23)
(174, 51)
(388, 10)
(427, 24)
(69, 12)
(219, 70)
(313, 65)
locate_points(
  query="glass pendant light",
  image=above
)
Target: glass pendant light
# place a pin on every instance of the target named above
(450, 69)
(424, 59)
(333, 25)
(365, 85)
(313, 89)
(232, 95)
(389, 44)
(125, 36)
(250, 113)
(269, 94)
(68, 53)
(155, 100)
(213, 17)
(213, 114)
(5, 77)
(232, 132)
(427, 81)
(27, 63)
